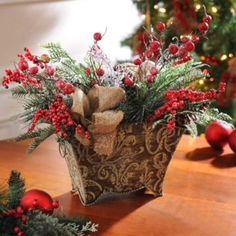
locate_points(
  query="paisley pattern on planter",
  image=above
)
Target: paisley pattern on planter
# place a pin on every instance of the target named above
(139, 160)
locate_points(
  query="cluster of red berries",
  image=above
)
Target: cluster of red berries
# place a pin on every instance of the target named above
(193, 96)
(19, 77)
(24, 72)
(66, 88)
(17, 213)
(58, 114)
(81, 132)
(39, 114)
(204, 25)
(171, 124)
(177, 100)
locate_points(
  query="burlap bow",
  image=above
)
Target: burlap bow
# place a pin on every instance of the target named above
(94, 111)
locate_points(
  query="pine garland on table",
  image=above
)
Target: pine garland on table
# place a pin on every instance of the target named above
(14, 220)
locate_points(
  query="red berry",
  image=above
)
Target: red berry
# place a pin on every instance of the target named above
(100, 72)
(207, 19)
(154, 46)
(97, 36)
(150, 78)
(34, 70)
(55, 204)
(184, 39)
(17, 230)
(23, 65)
(149, 54)
(182, 52)
(195, 38)
(189, 46)
(69, 88)
(88, 71)
(128, 81)
(203, 26)
(20, 234)
(23, 219)
(49, 70)
(187, 58)
(153, 71)
(19, 210)
(173, 48)
(137, 61)
(160, 26)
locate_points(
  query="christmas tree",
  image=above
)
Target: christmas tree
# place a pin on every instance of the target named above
(181, 16)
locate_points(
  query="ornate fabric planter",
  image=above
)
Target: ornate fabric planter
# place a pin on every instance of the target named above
(139, 160)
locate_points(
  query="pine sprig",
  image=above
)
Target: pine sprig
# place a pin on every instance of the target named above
(16, 189)
(43, 135)
(39, 224)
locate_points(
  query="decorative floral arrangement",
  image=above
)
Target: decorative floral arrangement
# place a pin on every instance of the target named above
(87, 102)
(31, 213)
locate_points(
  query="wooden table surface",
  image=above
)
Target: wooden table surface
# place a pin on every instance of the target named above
(199, 192)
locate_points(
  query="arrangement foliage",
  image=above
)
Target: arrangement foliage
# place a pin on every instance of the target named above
(218, 51)
(157, 87)
(16, 221)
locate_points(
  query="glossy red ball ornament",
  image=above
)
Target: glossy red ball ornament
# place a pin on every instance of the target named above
(232, 140)
(217, 134)
(37, 199)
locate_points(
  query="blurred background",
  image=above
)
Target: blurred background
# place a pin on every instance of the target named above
(30, 23)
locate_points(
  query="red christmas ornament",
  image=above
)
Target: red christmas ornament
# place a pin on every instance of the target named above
(160, 26)
(97, 36)
(128, 81)
(37, 199)
(232, 141)
(217, 134)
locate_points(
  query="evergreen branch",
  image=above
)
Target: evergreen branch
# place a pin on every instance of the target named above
(57, 53)
(16, 189)
(44, 134)
(39, 224)
(32, 134)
